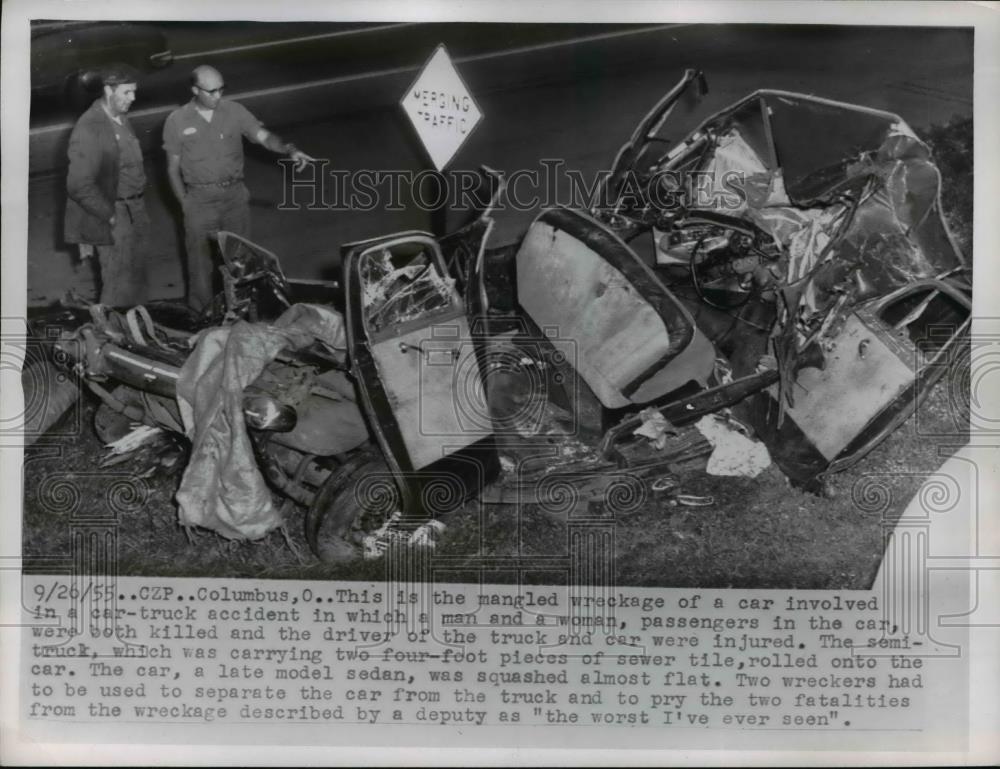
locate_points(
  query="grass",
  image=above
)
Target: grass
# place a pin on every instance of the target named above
(759, 533)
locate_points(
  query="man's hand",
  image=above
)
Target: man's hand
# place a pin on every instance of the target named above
(301, 159)
(275, 144)
(111, 221)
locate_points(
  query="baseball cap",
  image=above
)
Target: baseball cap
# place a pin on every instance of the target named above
(117, 74)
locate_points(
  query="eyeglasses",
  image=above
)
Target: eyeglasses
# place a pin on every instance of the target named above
(211, 91)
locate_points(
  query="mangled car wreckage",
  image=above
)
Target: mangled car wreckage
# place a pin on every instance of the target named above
(786, 264)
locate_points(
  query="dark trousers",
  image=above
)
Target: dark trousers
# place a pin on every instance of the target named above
(206, 211)
(124, 263)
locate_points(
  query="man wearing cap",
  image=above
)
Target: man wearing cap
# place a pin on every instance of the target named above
(105, 210)
(204, 145)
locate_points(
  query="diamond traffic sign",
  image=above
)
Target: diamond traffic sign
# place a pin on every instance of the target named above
(441, 108)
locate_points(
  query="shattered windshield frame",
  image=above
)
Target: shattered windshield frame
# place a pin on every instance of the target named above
(400, 287)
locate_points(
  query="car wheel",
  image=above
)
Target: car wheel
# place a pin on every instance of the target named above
(355, 500)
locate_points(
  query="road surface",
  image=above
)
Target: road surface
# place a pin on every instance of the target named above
(563, 94)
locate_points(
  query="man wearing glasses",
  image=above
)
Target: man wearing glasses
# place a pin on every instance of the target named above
(204, 145)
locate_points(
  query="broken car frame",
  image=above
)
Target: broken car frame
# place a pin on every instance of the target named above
(814, 289)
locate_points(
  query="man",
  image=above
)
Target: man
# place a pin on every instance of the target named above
(105, 184)
(204, 145)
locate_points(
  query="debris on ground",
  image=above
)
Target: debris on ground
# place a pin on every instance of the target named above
(691, 500)
(656, 427)
(734, 452)
(138, 436)
(155, 450)
(385, 536)
(427, 534)
(666, 483)
(669, 486)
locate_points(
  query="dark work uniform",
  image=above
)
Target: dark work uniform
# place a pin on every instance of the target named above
(105, 179)
(211, 155)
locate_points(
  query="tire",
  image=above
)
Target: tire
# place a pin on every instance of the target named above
(355, 500)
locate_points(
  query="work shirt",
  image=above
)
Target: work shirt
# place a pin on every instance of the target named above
(210, 151)
(131, 174)
(94, 154)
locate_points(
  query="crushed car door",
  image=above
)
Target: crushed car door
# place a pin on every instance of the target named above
(417, 370)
